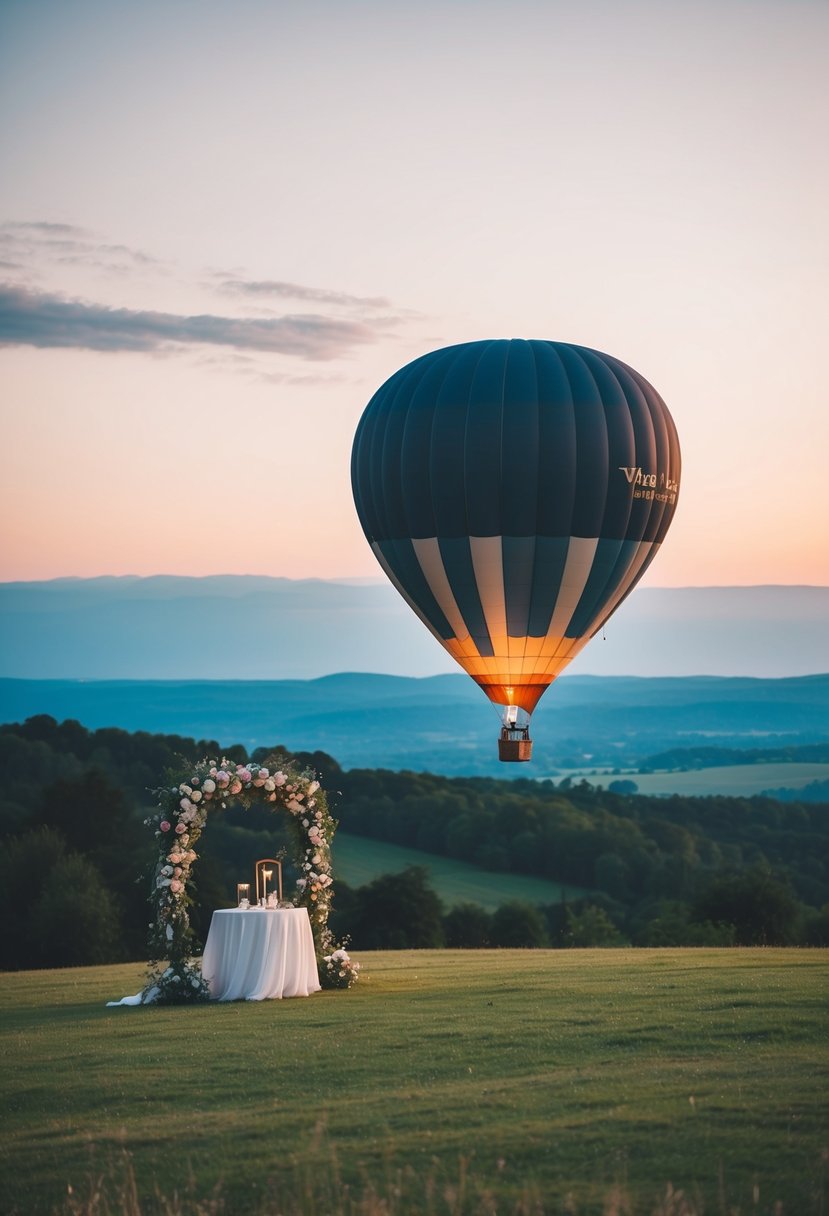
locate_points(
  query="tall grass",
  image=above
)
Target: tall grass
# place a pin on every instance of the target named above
(508, 1081)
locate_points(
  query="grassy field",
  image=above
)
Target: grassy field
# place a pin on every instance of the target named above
(458, 1082)
(357, 860)
(736, 780)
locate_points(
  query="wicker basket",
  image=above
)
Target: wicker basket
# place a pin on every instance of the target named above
(515, 749)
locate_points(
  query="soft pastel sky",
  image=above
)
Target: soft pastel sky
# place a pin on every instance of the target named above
(224, 225)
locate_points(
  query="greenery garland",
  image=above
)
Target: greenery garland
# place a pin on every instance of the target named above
(175, 977)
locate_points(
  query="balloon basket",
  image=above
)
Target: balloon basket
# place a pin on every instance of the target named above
(512, 748)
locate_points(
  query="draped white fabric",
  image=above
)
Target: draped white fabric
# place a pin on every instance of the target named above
(260, 954)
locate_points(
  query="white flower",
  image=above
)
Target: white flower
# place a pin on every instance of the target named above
(196, 796)
(270, 785)
(209, 786)
(306, 823)
(185, 789)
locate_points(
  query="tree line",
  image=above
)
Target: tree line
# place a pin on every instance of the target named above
(75, 857)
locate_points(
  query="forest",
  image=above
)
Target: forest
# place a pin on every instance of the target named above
(75, 856)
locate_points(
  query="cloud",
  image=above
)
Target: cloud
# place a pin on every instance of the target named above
(295, 291)
(43, 319)
(39, 240)
(45, 228)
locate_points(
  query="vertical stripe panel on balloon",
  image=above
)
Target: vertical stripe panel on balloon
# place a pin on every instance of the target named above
(637, 393)
(642, 557)
(591, 446)
(594, 593)
(556, 446)
(482, 446)
(380, 417)
(519, 444)
(489, 575)
(661, 458)
(621, 445)
(446, 464)
(398, 586)
(387, 456)
(460, 572)
(431, 563)
(519, 566)
(595, 609)
(402, 560)
(416, 449)
(550, 560)
(580, 554)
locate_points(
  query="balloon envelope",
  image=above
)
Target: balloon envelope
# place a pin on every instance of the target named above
(514, 492)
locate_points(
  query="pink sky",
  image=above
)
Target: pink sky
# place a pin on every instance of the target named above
(220, 236)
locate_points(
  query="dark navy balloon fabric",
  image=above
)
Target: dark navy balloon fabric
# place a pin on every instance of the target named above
(514, 491)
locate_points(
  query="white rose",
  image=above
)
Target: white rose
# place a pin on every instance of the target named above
(196, 796)
(209, 786)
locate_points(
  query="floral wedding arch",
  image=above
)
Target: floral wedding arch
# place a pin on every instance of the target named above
(183, 809)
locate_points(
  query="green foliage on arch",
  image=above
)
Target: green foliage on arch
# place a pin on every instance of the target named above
(184, 805)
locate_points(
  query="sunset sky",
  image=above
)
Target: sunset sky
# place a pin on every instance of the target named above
(224, 226)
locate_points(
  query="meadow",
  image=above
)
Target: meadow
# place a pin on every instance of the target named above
(579, 1082)
(359, 859)
(732, 780)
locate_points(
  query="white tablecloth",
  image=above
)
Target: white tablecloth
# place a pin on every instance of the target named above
(260, 954)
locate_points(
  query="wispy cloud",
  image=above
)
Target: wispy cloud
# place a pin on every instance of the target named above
(44, 319)
(258, 288)
(30, 242)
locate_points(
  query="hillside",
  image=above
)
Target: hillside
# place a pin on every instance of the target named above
(253, 628)
(443, 723)
(76, 856)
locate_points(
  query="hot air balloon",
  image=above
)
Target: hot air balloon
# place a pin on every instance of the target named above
(515, 492)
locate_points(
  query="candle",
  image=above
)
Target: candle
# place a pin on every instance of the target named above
(267, 875)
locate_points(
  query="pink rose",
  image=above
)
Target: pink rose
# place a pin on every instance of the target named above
(280, 778)
(177, 872)
(180, 827)
(175, 886)
(164, 825)
(236, 787)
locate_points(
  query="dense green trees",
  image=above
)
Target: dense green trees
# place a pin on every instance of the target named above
(75, 856)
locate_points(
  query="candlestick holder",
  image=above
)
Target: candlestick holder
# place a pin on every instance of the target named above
(265, 869)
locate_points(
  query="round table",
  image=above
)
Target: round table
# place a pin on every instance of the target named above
(260, 954)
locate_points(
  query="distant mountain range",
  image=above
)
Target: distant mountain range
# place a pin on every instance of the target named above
(443, 724)
(256, 628)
